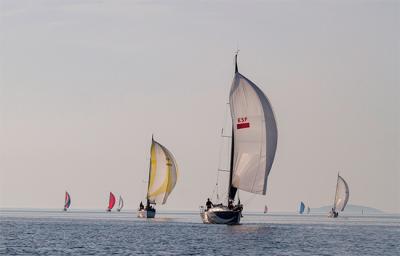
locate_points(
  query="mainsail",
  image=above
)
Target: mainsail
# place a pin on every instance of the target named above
(162, 175)
(111, 201)
(120, 203)
(342, 194)
(301, 209)
(67, 202)
(254, 136)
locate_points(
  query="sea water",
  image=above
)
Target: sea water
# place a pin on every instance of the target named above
(28, 232)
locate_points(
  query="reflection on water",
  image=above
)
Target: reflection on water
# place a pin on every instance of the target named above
(101, 233)
(249, 228)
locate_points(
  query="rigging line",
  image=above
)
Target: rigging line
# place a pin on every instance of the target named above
(221, 150)
(215, 190)
(249, 199)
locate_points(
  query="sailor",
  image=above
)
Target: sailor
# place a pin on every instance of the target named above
(230, 204)
(334, 213)
(209, 204)
(141, 206)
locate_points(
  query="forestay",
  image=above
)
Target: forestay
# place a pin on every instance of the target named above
(163, 174)
(255, 135)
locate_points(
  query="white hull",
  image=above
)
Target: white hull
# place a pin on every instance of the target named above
(221, 215)
(146, 214)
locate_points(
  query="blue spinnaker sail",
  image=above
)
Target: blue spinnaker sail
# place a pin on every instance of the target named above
(302, 206)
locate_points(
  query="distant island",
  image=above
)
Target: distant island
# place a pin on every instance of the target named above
(350, 208)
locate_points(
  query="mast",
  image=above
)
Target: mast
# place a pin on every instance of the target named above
(148, 183)
(232, 190)
(236, 66)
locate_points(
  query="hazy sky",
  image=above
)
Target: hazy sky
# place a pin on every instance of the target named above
(84, 84)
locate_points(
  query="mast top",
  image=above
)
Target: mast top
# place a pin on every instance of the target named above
(236, 66)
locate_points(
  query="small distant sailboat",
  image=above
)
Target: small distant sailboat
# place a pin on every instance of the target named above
(120, 204)
(67, 202)
(253, 146)
(163, 174)
(302, 207)
(265, 209)
(111, 202)
(341, 197)
(308, 210)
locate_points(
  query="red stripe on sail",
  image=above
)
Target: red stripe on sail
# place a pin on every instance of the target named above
(111, 202)
(243, 125)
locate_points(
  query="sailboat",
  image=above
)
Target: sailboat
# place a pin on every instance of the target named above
(120, 204)
(302, 207)
(308, 210)
(67, 201)
(163, 174)
(265, 209)
(341, 197)
(253, 146)
(111, 202)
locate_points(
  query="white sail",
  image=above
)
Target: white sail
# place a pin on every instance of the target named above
(342, 194)
(255, 135)
(120, 203)
(163, 173)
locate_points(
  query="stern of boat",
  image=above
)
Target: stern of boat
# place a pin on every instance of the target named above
(149, 214)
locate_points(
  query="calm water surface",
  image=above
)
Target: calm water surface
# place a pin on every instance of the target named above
(100, 233)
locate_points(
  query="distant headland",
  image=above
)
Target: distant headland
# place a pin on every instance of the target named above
(350, 208)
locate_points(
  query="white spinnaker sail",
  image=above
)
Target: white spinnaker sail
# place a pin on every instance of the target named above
(163, 173)
(342, 194)
(120, 203)
(255, 135)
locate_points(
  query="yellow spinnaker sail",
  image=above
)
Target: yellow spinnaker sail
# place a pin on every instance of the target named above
(163, 173)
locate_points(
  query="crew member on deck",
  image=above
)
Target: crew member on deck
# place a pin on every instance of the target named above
(230, 204)
(209, 204)
(141, 206)
(148, 205)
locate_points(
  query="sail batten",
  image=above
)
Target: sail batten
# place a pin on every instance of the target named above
(255, 134)
(163, 173)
